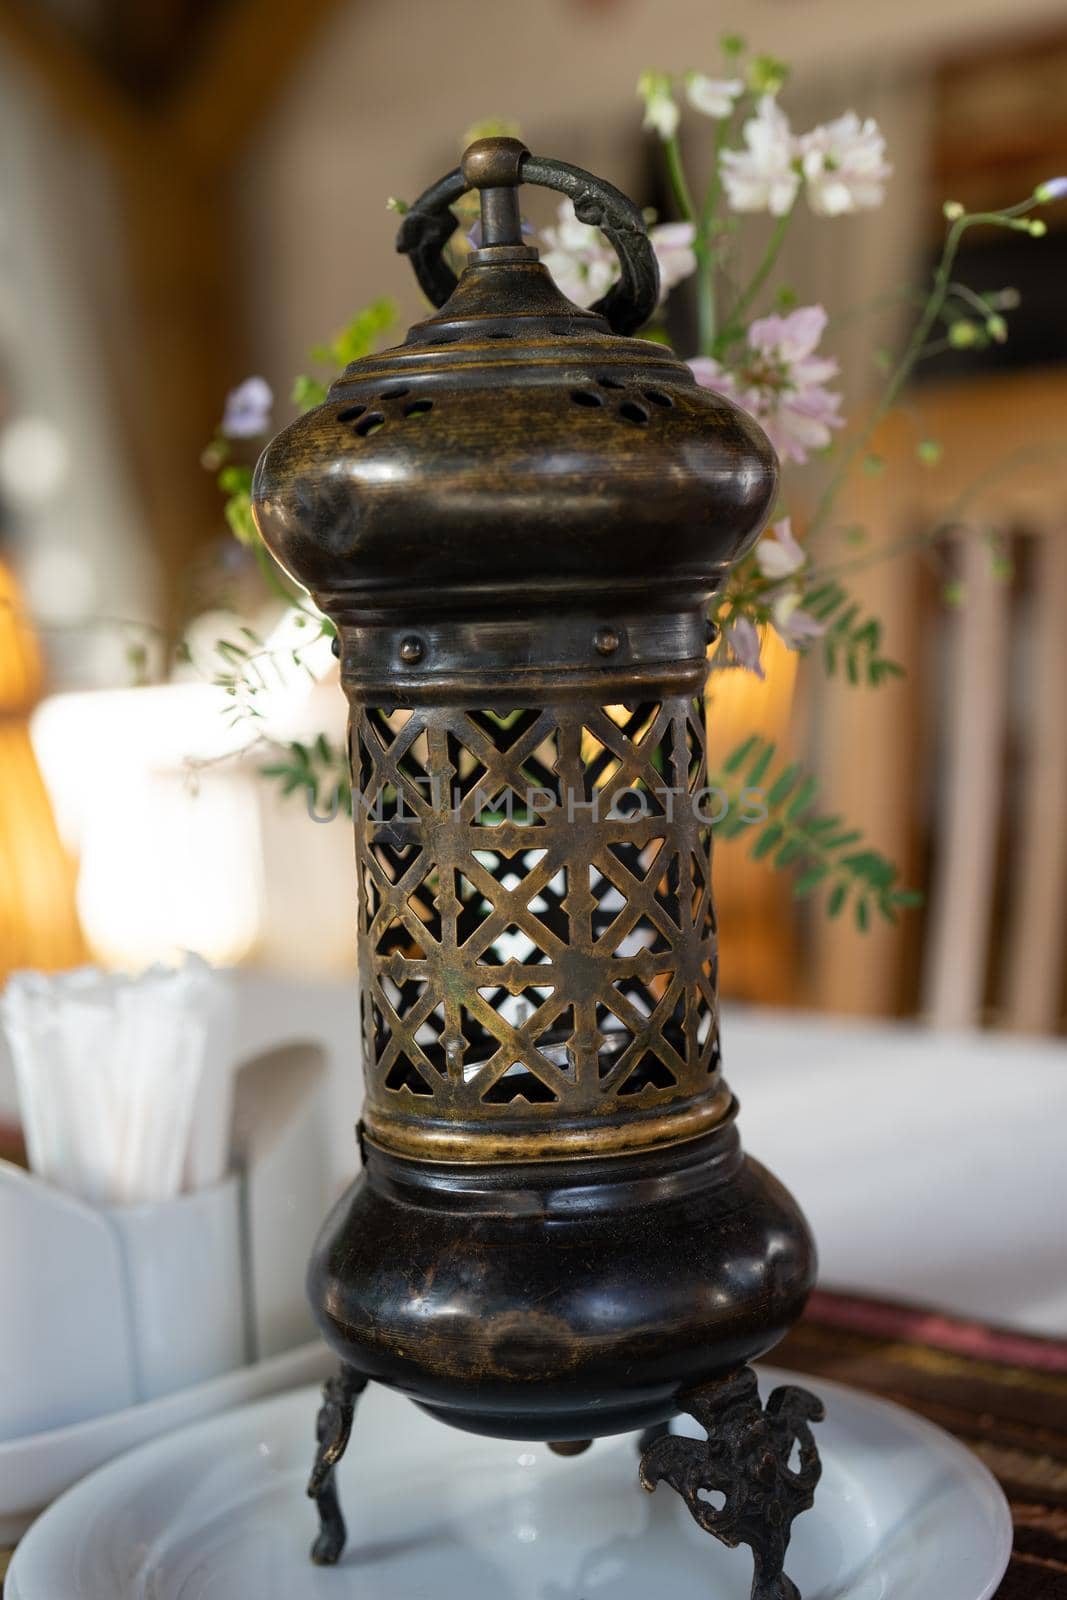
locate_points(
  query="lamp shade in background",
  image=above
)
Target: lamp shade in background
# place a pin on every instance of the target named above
(38, 921)
(182, 844)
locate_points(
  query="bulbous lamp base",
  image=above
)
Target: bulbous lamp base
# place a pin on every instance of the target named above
(570, 1300)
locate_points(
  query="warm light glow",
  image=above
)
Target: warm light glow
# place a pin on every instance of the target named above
(38, 923)
(165, 869)
(170, 854)
(740, 704)
(183, 845)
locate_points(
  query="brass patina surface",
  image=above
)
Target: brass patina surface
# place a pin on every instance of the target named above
(515, 519)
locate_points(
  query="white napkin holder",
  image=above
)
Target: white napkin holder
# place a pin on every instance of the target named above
(108, 1307)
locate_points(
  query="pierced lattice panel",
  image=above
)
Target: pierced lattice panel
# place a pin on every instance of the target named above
(536, 925)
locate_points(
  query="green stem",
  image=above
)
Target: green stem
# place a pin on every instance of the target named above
(735, 326)
(676, 173)
(954, 518)
(705, 278)
(705, 251)
(912, 353)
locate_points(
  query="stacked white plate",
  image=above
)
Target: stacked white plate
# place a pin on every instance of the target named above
(218, 1512)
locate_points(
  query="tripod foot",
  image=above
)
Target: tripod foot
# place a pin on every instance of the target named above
(745, 1460)
(333, 1428)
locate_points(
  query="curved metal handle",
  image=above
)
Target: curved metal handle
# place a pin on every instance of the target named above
(497, 167)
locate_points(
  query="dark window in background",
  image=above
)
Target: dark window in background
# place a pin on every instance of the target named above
(1037, 328)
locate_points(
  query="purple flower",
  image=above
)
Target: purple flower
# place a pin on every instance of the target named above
(743, 638)
(795, 626)
(779, 380)
(1052, 189)
(248, 409)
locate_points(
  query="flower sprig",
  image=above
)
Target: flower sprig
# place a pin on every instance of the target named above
(772, 804)
(756, 347)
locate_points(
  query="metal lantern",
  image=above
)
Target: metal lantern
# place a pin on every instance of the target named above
(515, 519)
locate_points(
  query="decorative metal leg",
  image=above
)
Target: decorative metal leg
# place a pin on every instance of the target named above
(658, 1430)
(332, 1429)
(745, 1457)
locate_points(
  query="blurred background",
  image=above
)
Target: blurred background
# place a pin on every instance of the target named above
(195, 190)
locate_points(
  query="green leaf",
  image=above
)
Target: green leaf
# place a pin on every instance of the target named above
(863, 920)
(837, 841)
(235, 480)
(759, 767)
(782, 785)
(789, 834)
(737, 757)
(824, 599)
(791, 851)
(810, 880)
(361, 335)
(803, 798)
(733, 824)
(767, 841)
(824, 824)
(307, 392)
(242, 524)
(766, 74)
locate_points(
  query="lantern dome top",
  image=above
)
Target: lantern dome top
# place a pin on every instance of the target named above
(515, 448)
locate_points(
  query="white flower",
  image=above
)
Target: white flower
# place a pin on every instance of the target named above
(712, 97)
(766, 176)
(661, 109)
(579, 258)
(779, 380)
(585, 266)
(844, 165)
(673, 245)
(247, 411)
(778, 555)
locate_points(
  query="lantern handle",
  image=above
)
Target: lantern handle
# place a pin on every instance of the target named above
(496, 167)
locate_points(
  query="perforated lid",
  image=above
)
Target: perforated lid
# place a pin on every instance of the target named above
(515, 443)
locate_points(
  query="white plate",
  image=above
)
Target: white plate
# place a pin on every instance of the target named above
(37, 1467)
(218, 1512)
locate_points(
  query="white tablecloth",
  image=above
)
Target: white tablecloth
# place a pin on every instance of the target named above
(933, 1167)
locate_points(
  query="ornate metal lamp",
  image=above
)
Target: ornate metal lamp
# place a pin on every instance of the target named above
(515, 520)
